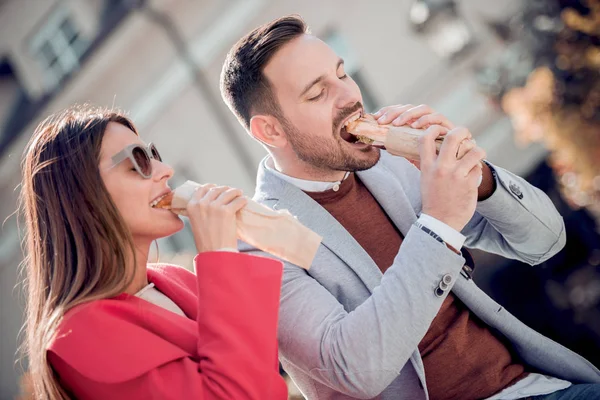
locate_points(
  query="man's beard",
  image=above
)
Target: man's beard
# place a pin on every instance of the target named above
(328, 154)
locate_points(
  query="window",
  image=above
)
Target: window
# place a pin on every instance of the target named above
(352, 68)
(58, 47)
(442, 27)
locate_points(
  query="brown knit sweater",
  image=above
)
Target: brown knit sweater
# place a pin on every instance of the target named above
(463, 359)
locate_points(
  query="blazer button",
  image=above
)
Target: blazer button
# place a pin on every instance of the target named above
(445, 282)
(447, 279)
(439, 292)
(516, 190)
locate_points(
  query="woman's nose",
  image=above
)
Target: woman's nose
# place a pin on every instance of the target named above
(161, 170)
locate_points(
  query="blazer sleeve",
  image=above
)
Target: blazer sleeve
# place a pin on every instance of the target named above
(360, 352)
(238, 301)
(518, 221)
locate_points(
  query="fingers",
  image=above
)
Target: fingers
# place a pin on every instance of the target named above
(237, 204)
(432, 119)
(389, 113)
(421, 116)
(470, 160)
(201, 191)
(475, 175)
(464, 147)
(451, 144)
(412, 114)
(228, 196)
(211, 194)
(427, 148)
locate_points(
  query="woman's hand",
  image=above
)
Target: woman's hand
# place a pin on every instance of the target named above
(212, 213)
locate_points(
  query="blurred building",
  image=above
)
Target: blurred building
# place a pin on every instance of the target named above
(161, 59)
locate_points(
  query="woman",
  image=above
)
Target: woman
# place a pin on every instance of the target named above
(101, 324)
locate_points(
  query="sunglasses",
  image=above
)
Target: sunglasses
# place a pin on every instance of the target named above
(141, 157)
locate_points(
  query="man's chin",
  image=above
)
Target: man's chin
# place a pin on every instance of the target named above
(366, 159)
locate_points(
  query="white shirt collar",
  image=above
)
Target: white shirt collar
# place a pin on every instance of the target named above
(306, 185)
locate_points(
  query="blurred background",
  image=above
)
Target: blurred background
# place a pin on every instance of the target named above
(523, 76)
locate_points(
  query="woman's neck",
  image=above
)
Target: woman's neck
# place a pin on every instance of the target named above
(140, 279)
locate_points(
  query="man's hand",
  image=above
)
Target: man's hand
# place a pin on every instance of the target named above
(449, 185)
(418, 117)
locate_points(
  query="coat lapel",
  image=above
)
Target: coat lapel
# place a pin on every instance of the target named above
(335, 237)
(180, 294)
(286, 196)
(387, 190)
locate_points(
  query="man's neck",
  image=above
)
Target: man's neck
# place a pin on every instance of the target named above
(308, 172)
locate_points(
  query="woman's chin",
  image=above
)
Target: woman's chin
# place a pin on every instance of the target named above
(170, 228)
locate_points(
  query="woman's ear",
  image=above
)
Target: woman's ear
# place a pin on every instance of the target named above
(267, 130)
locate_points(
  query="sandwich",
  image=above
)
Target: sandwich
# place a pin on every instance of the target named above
(275, 232)
(397, 140)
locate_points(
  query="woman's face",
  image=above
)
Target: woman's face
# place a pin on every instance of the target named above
(133, 194)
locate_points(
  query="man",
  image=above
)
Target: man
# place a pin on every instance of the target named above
(388, 308)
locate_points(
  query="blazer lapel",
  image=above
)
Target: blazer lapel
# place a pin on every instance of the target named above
(335, 237)
(384, 186)
(387, 190)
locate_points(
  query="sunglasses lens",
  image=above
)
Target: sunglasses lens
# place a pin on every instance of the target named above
(142, 160)
(155, 153)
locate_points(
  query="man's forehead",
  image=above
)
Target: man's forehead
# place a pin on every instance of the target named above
(300, 61)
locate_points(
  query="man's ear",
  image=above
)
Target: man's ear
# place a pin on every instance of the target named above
(267, 130)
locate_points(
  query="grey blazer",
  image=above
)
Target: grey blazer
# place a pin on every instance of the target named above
(348, 331)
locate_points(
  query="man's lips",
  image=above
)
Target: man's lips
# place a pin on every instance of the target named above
(347, 137)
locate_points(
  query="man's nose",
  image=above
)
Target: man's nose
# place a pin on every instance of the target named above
(348, 96)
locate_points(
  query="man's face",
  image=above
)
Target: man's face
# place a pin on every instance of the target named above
(317, 98)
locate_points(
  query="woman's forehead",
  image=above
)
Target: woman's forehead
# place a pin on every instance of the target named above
(116, 138)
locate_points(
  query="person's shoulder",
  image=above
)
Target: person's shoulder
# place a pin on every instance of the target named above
(99, 319)
(108, 340)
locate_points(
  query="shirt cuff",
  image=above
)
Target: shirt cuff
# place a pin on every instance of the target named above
(448, 234)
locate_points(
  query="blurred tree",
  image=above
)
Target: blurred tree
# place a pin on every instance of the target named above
(548, 82)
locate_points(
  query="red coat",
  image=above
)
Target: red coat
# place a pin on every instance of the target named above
(226, 347)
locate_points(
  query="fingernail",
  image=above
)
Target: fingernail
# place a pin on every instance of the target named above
(382, 119)
(415, 124)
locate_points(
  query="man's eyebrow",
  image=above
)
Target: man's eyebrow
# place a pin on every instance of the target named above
(319, 79)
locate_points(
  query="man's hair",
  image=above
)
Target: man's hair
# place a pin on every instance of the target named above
(244, 87)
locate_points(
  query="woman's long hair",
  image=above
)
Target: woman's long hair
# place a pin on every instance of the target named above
(78, 247)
